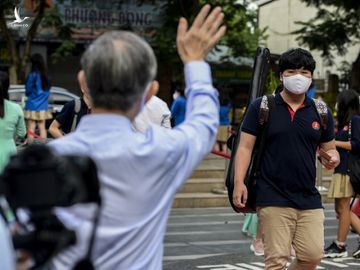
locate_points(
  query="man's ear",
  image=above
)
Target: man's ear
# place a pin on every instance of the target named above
(280, 77)
(154, 88)
(82, 82)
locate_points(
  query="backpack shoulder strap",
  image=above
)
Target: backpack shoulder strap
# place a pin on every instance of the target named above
(266, 105)
(322, 110)
(77, 107)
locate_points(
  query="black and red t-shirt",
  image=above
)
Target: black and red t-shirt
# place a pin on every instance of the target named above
(288, 169)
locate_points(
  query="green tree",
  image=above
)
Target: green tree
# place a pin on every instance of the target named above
(242, 37)
(335, 27)
(42, 16)
(17, 62)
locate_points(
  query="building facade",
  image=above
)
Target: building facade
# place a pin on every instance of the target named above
(280, 17)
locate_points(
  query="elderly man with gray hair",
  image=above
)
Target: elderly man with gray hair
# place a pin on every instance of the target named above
(139, 173)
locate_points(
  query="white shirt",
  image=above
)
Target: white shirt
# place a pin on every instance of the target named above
(139, 175)
(156, 111)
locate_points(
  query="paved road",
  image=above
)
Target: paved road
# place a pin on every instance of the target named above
(211, 238)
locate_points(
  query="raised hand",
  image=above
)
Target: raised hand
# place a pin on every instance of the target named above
(195, 43)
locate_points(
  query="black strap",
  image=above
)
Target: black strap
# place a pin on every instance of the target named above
(348, 156)
(264, 132)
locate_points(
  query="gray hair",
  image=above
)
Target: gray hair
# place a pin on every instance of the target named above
(118, 66)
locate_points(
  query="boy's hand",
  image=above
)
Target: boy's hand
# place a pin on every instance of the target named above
(329, 159)
(195, 43)
(240, 195)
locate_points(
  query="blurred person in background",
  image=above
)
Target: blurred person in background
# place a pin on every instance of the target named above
(37, 87)
(340, 189)
(224, 128)
(156, 112)
(12, 123)
(178, 108)
(69, 117)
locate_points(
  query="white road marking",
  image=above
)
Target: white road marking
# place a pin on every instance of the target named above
(334, 264)
(190, 257)
(223, 267)
(249, 266)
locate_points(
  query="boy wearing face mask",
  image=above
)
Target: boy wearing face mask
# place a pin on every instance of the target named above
(289, 205)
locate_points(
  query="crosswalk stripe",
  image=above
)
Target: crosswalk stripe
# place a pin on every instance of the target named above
(223, 267)
(259, 264)
(334, 264)
(252, 266)
(229, 242)
(248, 266)
(234, 232)
(190, 257)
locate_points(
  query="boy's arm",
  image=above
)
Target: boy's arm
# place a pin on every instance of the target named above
(61, 119)
(242, 162)
(55, 130)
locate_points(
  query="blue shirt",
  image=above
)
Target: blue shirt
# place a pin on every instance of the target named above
(224, 115)
(178, 109)
(139, 175)
(37, 97)
(287, 171)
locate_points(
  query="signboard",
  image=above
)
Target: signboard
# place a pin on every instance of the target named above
(112, 13)
(91, 18)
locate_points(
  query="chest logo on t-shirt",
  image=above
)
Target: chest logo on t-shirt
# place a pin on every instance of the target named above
(315, 125)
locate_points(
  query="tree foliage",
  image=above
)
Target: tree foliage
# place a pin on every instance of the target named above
(19, 62)
(242, 35)
(335, 27)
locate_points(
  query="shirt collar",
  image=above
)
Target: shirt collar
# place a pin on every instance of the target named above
(279, 100)
(104, 121)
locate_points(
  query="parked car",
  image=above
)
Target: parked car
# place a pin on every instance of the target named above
(57, 98)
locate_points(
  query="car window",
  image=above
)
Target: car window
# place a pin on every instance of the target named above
(15, 96)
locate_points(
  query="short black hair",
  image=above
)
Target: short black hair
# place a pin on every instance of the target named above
(296, 59)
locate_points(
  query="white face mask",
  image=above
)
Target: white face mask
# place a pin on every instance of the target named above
(297, 84)
(175, 96)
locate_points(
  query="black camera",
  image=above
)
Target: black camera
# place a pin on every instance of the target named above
(36, 180)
